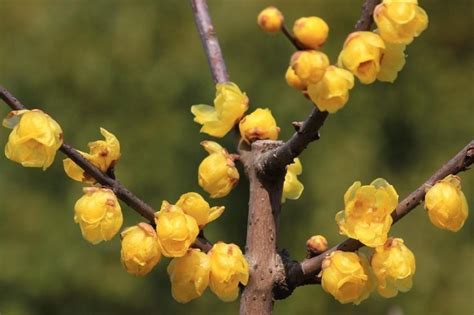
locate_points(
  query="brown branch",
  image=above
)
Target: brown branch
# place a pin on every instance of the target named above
(209, 41)
(309, 130)
(262, 231)
(144, 209)
(366, 19)
(306, 272)
(292, 39)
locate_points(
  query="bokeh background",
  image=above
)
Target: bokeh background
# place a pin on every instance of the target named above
(135, 67)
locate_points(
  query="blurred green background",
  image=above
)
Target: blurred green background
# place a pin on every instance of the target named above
(135, 67)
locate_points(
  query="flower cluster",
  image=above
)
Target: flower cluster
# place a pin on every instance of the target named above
(223, 268)
(191, 271)
(367, 218)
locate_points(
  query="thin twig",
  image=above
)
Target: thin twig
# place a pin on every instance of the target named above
(308, 269)
(140, 206)
(209, 41)
(292, 39)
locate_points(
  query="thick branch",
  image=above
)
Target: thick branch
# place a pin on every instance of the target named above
(209, 41)
(144, 209)
(309, 130)
(306, 271)
(262, 231)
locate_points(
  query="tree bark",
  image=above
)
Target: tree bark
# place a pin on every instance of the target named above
(262, 230)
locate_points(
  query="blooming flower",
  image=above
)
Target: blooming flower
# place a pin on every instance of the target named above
(34, 140)
(98, 214)
(394, 266)
(259, 125)
(399, 21)
(347, 277)
(332, 92)
(270, 20)
(366, 216)
(103, 154)
(193, 204)
(217, 173)
(140, 251)
(176, 230)
(311, 31)
(309, 65)
(189, 275)
(230, 105)
(293, 80)
(228, 269)
(393, 60)
(361, 55)
(446, 204)
(292, 187)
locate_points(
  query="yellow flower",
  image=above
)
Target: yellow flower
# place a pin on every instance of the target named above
(347, 277)
(228, 268)
(317, 244)
(394, 266)
(366, 216)
(292, 187)
(309, 65)
(311, 31)
(293, 80)
(270, 20)
(446, 204)
(98, 214)
(103, 154)
(34, 140)
(361, 55)
(259, 125)
(332, 92)
(140, 251)
(399, 21)
(393, 60)
(230, 105)
(193, 204)
(189, 275)
(217, 173)
(176, 230)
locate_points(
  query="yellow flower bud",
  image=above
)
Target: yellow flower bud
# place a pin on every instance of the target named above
(259, 125)
(176, 230)
(230, 105)
(361, 55)
(309, 65)
(311, 31)
(103, 154)
(140, 251)
(347, 277)
(270, 20)
(293, 80)
(34, 140)
(217, 173)
(193, 204)
(98, 214)
(366, 216)
(393, 60)
(317, 244)
(189, 275)
(228, 268)
(399, 21)
(446, 204)
(394, 266)
(292, 187)
(332, 92)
